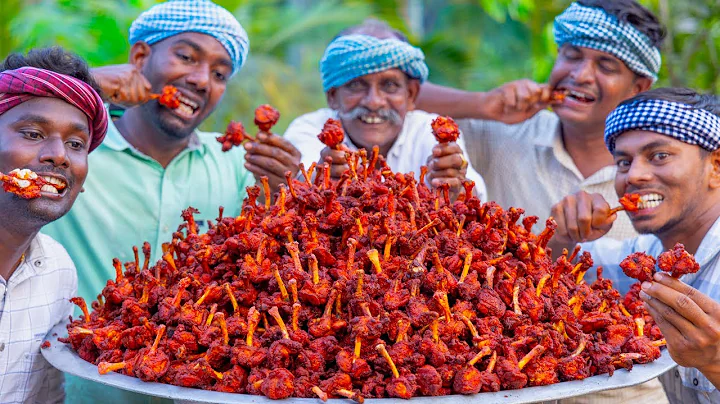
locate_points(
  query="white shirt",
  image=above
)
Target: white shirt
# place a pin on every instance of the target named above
(409, 152)
(32, 301)
(682, 385)
(526, 166)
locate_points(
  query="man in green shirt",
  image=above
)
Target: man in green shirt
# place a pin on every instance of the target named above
(154, 163)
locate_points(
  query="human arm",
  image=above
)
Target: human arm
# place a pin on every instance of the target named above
(122, 84)
(510, 103)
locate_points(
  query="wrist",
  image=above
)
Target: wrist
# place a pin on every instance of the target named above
(711, 369)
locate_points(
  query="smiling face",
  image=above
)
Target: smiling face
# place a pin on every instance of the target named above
(51, 138)
(197, 65)
(596, 83)
(675, 180)
(372, 108)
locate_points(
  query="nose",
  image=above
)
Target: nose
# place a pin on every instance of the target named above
(199, 77)
(374, 99)
(54, 152)
(639, 174)
(583, 72)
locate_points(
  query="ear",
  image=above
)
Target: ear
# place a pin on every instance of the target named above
(641, 85)
(332, 99)
(413, 92)
(713, 159)
(139, 54)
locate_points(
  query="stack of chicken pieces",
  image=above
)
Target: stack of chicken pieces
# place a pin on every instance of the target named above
(370, 286)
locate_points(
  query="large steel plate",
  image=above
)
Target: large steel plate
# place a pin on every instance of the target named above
(65, 359)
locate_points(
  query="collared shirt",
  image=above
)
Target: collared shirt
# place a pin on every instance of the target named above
(130, 198)
(409, 152)
(527, 166)
(687, 385)
(32, 302)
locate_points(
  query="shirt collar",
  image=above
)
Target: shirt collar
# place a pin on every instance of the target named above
(552, 140)
(33, 264)
(115, 141)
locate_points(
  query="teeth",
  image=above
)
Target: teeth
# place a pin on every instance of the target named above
(187, 101)
(186, 110)
(578, 95)
(372, 119)
(649, 201)
(49, 189)
(54, 180)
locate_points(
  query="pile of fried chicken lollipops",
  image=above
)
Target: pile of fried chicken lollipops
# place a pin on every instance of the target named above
(370, 286)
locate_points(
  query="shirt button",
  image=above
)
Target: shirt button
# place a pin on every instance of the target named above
(677, 373)
(38, 263)
(695, 382)
(2, 346)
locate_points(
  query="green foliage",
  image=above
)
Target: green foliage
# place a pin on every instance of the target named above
(470, 44)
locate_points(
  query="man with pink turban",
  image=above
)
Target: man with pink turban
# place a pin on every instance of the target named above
(51, 117)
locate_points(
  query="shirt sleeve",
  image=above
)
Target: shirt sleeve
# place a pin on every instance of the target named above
(302, 133)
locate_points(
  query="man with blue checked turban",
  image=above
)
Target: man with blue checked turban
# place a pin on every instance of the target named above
(531, 157)
(666, 145)
(154, 162)
(371, 76)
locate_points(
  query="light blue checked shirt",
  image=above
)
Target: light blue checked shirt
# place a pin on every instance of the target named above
(32, 301)
(682, 385)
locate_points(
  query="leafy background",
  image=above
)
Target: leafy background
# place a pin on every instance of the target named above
(469, 44)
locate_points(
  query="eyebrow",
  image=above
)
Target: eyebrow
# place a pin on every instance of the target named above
(609, 59)
(645, 148)
(196, 47)
(41, 120)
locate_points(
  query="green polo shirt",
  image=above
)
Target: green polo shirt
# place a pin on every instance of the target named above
(130, 198)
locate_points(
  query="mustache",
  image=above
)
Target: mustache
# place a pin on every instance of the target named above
(385, 113)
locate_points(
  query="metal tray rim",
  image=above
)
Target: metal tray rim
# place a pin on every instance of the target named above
(63, 358)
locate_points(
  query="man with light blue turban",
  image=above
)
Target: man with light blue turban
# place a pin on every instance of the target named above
(154, 162)
(608, 52)
(371, 76)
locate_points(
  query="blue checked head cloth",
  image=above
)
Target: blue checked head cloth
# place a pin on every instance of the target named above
(592, 27)
(177, 16)
(352, 56)
(683, 122)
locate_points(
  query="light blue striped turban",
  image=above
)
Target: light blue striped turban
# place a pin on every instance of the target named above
(177, 16)
(352, 56)
(592, 27)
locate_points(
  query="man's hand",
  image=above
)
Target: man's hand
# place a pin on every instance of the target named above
(271, 156)
(339, 163)
(581, 217)
(447, 165)
(515, 101)
(690, 322)
(122, 84)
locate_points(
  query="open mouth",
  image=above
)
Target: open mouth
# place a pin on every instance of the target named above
(187, 107)
(371, 119)
(54, 186)
(650, 201)
(578, 96)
